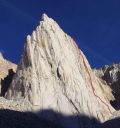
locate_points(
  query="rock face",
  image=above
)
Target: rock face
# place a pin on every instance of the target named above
(111, 75)
(7, 70)
(55, 74)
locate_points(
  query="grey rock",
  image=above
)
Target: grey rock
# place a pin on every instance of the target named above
(111, 75)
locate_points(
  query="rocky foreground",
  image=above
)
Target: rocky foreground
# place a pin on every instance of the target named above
(54, 85)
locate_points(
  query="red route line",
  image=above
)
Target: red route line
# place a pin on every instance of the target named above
(93, 89)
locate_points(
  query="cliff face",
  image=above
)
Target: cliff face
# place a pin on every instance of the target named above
(7, 70)
(55, 74)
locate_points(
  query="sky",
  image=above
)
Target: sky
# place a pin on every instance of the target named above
(94, 24)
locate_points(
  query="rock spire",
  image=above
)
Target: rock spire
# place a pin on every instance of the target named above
(54, 74)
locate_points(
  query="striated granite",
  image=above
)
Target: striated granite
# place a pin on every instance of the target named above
(55, 74)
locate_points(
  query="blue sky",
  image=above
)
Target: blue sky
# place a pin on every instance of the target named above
(94, 24)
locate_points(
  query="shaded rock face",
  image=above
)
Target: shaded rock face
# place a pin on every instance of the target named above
(15, 119)
(111, 75)
(55, 74)
(7, 70)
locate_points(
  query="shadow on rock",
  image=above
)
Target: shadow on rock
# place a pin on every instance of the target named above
(46, 119)
(114, 123)
(51, 119)
(5, 83)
